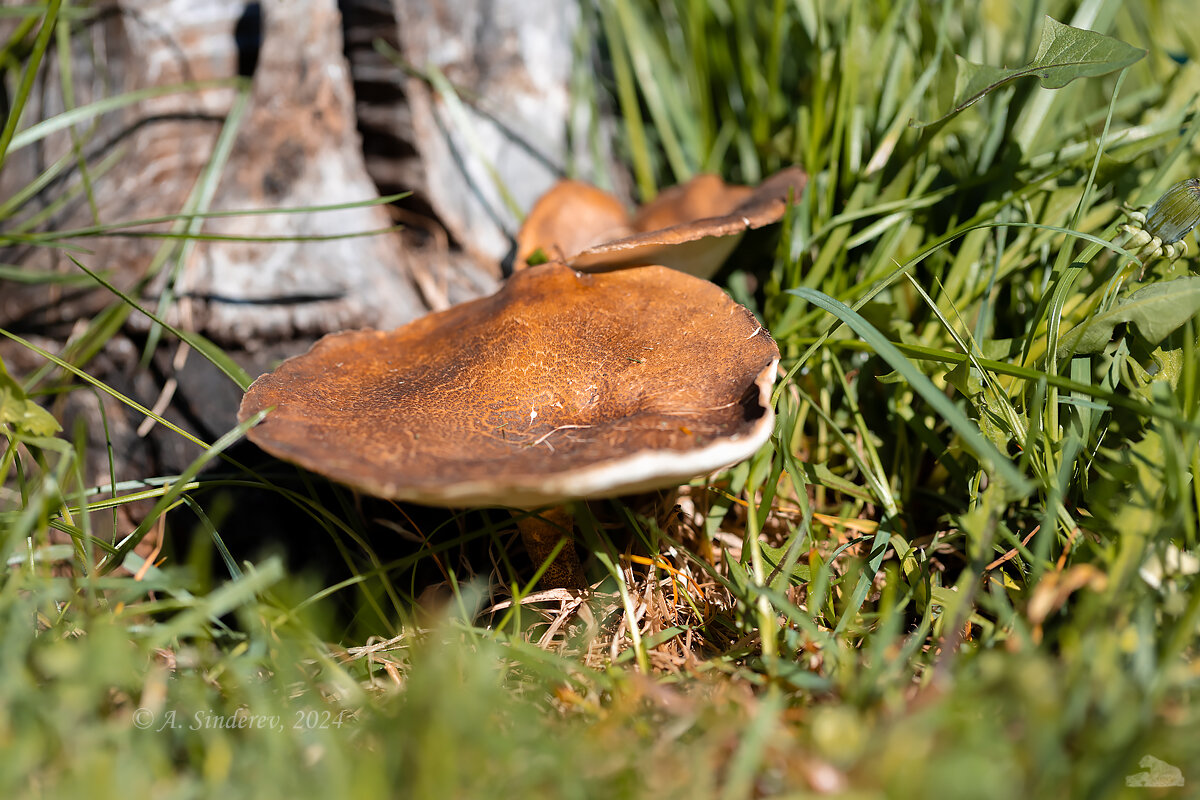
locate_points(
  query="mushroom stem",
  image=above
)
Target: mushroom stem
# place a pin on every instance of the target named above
(541, 532)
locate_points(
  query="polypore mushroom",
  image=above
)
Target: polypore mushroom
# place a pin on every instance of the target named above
(560, 386)
(693, 227)
(702, 197)
(572, 216)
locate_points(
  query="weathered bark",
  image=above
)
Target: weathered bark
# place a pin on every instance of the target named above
(159, 146)
(445, 273)
(300, 147)
(297, 145)
(491, 147)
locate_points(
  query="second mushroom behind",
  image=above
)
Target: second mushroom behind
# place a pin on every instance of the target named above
(560, 386)
(692, 227)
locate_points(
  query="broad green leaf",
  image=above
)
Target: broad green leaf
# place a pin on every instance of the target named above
(964, 380)
(993, 427)
(1064, 54)
(776, 558)
(26, 415)
(1159, 378)
(737, 575)
(1170, 366)
(1156, 310)
(21, 412)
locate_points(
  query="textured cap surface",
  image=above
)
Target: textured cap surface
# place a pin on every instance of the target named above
(561, 385)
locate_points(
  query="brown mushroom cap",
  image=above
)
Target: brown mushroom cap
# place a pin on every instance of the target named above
(559, 386)
(692, 227)
(702, 197)
(572, 216)
(701, 246)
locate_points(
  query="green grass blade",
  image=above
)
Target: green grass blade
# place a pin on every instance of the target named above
(984, 450)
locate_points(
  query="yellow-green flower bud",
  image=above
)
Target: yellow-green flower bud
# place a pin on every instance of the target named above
(1176, 212)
